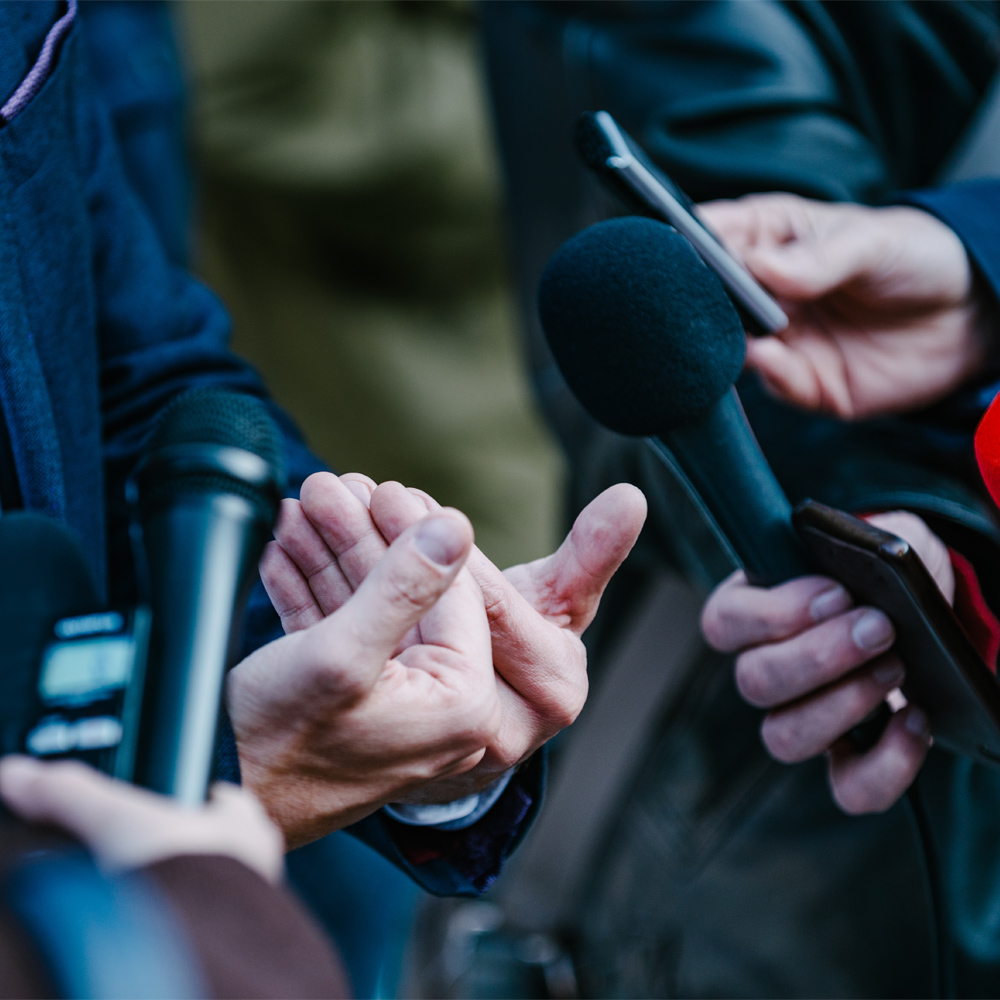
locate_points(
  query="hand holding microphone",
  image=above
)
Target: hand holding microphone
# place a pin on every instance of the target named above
(648, 341)
(207, 497)
(127, 827)
(819, 665)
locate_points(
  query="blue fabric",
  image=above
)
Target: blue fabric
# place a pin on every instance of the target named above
(461, 862)
(135, 66)
(99, 329)
(972, 210)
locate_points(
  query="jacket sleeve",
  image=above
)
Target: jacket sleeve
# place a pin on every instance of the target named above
(972, 211)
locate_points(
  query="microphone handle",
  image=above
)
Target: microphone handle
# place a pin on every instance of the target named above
(724, 463)
(205, 550)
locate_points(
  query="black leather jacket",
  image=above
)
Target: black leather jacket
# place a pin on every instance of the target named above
(729, 874)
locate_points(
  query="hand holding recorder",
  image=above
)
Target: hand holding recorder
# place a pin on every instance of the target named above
(126, 827)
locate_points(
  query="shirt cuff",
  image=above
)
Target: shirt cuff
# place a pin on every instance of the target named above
(456, 815)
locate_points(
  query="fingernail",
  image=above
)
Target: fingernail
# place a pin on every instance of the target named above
(361, 491)
(889, 674)
(441, 540)
(829, 602)
(917, 723)
(872, 631)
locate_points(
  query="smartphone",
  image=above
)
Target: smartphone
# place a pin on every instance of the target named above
(945, 675)
(623, 166)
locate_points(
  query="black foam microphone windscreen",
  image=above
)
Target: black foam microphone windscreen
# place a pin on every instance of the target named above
(642, 330)
(649, 342)
(45, 578)
(207, 496)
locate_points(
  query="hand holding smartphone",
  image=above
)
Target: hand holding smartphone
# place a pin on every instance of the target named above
(944, 673)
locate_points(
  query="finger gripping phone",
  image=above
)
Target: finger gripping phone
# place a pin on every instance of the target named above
(945, 675)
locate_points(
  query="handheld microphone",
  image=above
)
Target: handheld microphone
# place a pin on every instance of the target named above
(207, 497)
(46, 578)
(651, 345)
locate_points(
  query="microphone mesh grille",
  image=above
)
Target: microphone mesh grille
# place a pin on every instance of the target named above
(213, 416)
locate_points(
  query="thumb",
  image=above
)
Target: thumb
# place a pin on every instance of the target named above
(567, 586)
(815, 263)
(412, 576)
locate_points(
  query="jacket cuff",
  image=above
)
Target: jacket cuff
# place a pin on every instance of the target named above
(970, 211)
(461, 862)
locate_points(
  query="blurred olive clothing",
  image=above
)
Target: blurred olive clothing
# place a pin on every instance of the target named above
(351, 221)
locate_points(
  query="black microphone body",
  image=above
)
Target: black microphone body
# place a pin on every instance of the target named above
(207, 508)
(649, 342)
(723, 461)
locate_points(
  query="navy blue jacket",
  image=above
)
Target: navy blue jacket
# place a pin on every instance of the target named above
(99, 329)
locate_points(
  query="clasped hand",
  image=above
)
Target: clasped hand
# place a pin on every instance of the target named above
(412, 669)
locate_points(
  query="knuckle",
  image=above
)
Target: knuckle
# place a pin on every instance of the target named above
(825, 660)
(857, 798)
(407, 591)
(574, 704)
(475, 716)
(773, 617)
(752, 678)
(558, 704)
(859, 697)
(714, 626)
(735, 627)
(565, 711)
(782, 739)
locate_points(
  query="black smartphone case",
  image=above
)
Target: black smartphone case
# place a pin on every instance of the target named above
(944, 673)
